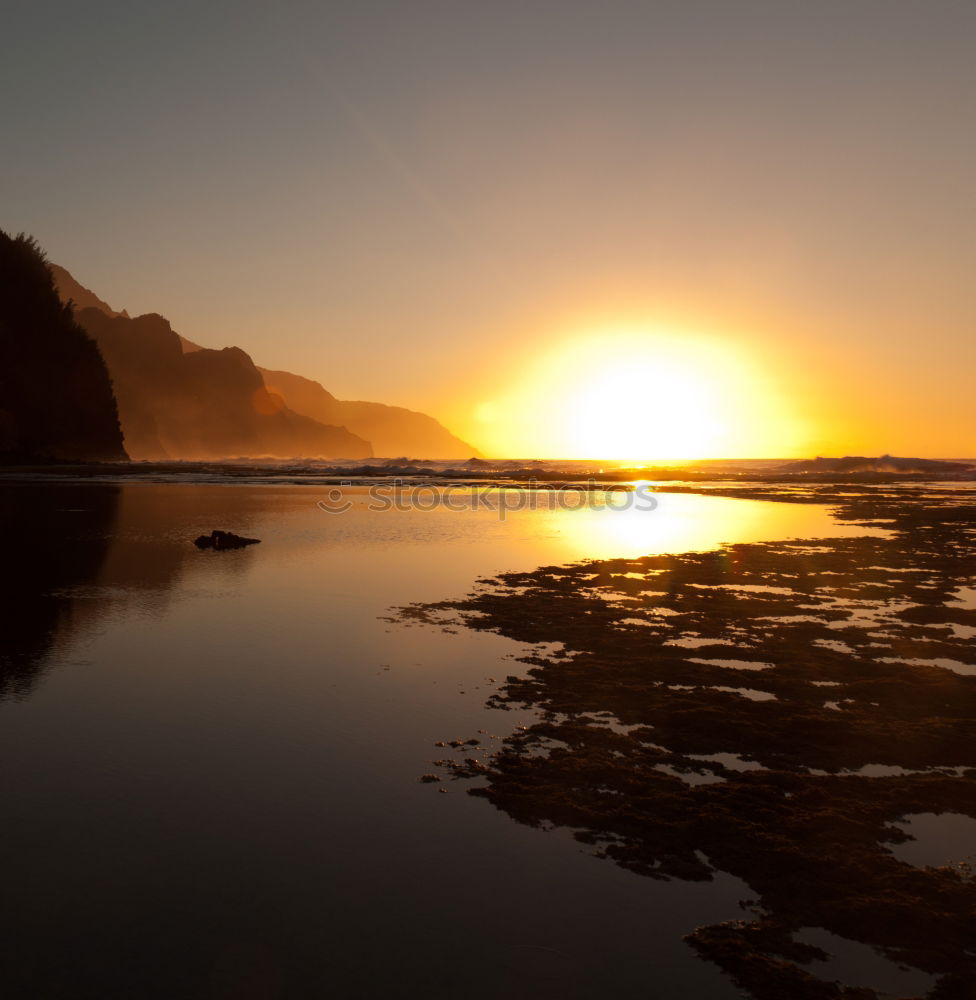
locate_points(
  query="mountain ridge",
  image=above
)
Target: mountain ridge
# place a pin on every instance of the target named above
(390, 431)
(210, 404)
(393, 430)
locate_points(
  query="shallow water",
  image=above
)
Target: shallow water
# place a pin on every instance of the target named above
(211, 760)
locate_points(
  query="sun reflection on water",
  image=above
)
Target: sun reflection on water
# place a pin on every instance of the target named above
(686, 523)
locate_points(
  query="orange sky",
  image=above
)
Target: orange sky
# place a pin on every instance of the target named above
(441, 205)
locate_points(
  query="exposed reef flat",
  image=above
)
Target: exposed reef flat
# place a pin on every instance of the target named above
(768, 710)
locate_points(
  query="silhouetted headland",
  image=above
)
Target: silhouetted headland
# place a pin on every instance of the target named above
(204, 405)
(182, 401)
(56, 400)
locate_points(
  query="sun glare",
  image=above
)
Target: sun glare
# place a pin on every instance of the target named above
(645, 396)
(644, 407)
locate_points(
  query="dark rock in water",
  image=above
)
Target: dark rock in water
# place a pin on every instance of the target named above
(220, 540)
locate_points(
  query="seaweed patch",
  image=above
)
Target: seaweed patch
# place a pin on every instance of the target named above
(772, 711)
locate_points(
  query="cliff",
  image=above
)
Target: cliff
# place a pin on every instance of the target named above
(56, 400)
(170, 410)
(393, 430)
(202, 405)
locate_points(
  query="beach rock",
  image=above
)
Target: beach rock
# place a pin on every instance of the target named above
(221, 540)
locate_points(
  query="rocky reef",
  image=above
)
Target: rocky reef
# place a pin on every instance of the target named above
(773, 711)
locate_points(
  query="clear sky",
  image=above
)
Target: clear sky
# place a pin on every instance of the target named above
(449, 204)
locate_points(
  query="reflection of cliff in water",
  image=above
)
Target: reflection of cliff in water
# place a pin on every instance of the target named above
(54, 538)
(77, 553)
(765, 710)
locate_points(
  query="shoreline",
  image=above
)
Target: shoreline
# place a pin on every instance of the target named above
(306, 473)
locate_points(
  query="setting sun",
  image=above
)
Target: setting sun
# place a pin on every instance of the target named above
(645, 395)
(646, 405)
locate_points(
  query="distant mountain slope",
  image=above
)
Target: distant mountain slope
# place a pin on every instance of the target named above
(188, 345)
(297, 405)
(56, 400)
(82, 298)
(202, 405)
(393, 430)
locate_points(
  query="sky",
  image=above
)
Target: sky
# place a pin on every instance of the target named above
(697, 228)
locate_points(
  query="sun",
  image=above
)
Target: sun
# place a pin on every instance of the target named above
(644, 395)
(644, 408)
